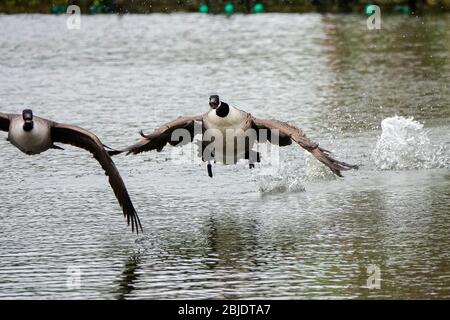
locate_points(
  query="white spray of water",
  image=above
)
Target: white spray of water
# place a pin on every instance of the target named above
(273, 184)
(278, 176)
(404, 144)
(317, 171)
(290, 174)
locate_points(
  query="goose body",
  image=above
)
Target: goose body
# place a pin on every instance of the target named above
(31, 142)
(34, 135)
(224, 123)
(227, 134)
(234, 119)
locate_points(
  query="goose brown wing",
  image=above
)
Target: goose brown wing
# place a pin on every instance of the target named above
(166, 134)
(5, 120)
(86, 140)
(287, 133)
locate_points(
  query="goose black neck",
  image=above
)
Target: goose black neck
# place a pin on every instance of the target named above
(223, 110)
(28, 126)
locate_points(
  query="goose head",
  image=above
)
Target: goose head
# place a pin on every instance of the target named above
(214, 101)
(27, 116)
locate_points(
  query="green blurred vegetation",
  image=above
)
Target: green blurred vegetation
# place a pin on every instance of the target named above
(217, 6)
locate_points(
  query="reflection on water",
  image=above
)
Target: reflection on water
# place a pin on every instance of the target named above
(290, 231)
(128, 277)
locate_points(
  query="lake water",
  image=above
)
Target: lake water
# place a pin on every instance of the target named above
(288, 231)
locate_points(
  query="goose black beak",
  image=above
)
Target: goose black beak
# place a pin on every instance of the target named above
(27, 116)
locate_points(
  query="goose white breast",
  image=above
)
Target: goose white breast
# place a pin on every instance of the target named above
(31, 142)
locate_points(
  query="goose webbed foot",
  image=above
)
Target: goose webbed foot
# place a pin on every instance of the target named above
(252, 157)
(209, 168)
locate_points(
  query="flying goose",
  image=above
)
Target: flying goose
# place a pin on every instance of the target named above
(34, 135)
(224, 122)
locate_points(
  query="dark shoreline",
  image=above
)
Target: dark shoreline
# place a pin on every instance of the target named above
(218, 6)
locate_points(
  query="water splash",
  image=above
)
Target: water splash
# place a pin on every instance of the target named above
(273, 185)
(289, 172)
(316, 171)
(404, 144)
(280, 181)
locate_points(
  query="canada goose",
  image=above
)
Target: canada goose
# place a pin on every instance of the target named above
(34, 135)
(221, 126)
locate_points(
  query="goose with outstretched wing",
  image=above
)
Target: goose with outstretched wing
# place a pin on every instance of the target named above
(33, 135)
(222, 127)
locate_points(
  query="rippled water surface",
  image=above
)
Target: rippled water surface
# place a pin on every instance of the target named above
(287, 231)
